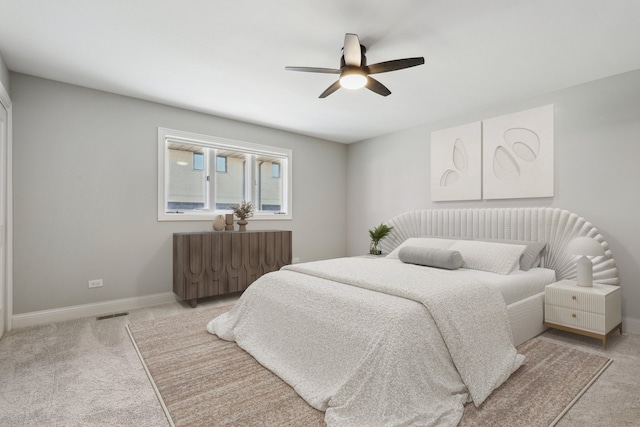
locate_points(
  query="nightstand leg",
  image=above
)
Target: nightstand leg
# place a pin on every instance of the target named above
(604, 339)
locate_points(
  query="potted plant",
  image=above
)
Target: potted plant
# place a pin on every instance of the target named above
(377, 234)
(243, 211)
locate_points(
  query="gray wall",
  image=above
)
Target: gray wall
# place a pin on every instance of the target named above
(597, 171)
(4, 74)
(85, 193)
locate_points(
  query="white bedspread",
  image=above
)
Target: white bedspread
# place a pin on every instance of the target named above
(410, 353)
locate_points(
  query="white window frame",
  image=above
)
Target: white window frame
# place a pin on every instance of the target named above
(171, 135)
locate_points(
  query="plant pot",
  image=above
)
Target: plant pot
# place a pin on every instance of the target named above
(243, 224)
(373, 249)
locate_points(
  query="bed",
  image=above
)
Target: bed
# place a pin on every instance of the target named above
(557, 227)
(387, 342)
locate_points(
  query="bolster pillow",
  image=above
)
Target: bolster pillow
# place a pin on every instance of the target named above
(431, 257)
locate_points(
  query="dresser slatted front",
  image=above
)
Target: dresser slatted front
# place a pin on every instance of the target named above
(218, 263)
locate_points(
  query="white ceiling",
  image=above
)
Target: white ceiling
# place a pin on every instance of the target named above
(227, 58)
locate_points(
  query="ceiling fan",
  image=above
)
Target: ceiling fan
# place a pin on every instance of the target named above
(354, 71)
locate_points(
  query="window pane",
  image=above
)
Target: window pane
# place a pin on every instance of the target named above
(221, 164)
(230, 186)
(198, 161)
(269, 186)
(186, 187)
(275, 170)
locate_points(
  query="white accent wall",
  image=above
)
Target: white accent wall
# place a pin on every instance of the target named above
(85, 194)
(597, 171)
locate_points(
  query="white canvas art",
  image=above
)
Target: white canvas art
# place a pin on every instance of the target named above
(518, 155)
(456, 163)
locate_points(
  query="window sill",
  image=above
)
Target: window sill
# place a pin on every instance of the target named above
(210, 217)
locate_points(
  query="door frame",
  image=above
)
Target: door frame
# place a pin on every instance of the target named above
(8, 296)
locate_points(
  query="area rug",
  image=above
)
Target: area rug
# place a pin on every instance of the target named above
(204, 381)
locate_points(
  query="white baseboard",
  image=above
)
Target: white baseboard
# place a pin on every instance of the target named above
(631, 325)
(43, 317)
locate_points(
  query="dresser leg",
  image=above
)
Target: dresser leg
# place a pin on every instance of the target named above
(193, 302)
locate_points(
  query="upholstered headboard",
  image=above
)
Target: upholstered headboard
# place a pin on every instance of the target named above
(555, 226)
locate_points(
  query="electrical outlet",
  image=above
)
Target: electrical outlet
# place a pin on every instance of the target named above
(97, 283)
(295, 260)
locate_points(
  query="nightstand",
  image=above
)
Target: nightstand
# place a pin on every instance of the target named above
(592, 311)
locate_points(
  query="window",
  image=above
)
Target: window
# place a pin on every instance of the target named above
(201, 176)
(221, 164)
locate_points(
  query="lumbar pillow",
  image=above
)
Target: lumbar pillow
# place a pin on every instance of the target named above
(498, 258)
(430, 257)
(422, 242)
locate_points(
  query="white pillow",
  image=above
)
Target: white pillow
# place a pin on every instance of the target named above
(422, 242)
(498, 258)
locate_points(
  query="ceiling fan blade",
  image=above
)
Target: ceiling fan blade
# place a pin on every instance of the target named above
(396, 64)
(377, 87)
(351, 51)
(334, 87)
(314, 70)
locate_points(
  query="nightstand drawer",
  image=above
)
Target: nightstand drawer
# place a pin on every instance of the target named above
(575, 299)
(580, 319)
(575, 318)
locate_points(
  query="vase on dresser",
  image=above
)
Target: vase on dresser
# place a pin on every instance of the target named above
(243, 224)
(228, 219)
(218, 223)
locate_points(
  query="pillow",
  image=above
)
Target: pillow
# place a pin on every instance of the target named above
(422, 242)
(531, 256)
(495, 257)
(431, 257)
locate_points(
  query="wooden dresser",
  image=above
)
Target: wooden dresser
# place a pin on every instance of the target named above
(223, 262)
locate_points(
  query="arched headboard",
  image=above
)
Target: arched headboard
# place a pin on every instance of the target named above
(555, 226)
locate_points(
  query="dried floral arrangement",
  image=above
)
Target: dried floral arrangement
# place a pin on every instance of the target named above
(244, 210)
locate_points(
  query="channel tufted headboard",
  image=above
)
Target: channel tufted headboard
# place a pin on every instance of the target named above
(555, 226)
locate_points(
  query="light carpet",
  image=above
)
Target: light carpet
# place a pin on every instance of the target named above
(202, 380)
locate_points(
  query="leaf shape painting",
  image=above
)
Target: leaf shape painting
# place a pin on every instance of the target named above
(449, 177)
(504, 165)
(524, 142)
(456, 163)
(460, 160)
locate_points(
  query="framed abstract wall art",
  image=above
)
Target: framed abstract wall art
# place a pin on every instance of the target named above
(456, 163)
(518, 153)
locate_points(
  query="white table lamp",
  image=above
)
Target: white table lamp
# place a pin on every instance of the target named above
(585, 247)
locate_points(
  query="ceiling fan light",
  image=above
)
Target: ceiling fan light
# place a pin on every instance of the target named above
(353, 79)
